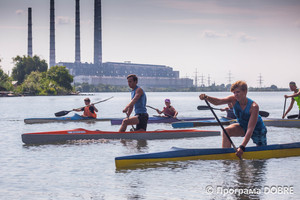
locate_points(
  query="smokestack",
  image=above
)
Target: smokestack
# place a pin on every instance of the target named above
(97, 33)
(77, 33)
(52, 35)
(29, 47)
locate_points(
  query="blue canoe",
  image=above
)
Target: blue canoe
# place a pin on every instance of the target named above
(160, 119)
(210, 122)
(74, 118)
(182, 154)
(278, 122)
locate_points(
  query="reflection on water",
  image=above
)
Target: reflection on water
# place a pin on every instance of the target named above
(139, 145)
(249, 175)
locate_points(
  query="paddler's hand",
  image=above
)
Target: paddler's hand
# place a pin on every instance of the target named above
(202, 96)
(125, 109)
(239, 152)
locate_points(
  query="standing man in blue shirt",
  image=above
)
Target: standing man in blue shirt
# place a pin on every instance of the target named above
(138, 101)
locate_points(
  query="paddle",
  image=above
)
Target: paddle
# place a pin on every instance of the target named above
(261, 113)
(64, 112)
(211, 109)
(292, 116)
(157, 109)
(132, 127)
(284, 106)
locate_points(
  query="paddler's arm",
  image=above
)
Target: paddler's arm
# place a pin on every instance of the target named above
(293, 95)
(251, 125)
(176, 113)
(129, 107)
(158, 111)
(218, 101)
(94, 107)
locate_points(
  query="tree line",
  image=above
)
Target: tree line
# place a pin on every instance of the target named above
(32, 77)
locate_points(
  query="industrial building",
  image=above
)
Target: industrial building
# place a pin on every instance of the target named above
(111, 73)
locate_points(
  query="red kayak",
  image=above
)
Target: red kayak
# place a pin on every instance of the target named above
(83, 134)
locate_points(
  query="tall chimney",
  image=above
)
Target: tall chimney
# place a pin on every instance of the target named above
(77, 33)
(97, 33)
(29, 47)
(52, 35)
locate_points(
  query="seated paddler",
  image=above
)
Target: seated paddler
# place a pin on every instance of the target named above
(169, 110)
(89, 110)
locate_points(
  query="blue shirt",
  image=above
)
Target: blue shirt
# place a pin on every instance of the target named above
(243, 117)
(140, 105)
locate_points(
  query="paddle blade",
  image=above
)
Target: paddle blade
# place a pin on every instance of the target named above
(203, 108)
(292, 116)
(264, 113)
(62, 113)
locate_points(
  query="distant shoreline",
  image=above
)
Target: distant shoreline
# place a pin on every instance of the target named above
(82, 93)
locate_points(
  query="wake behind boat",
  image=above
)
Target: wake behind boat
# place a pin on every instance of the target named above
(83, 134)
(74, 118)
(182, 154)
(160, 119)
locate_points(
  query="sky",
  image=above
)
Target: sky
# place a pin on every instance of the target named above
(219, 41)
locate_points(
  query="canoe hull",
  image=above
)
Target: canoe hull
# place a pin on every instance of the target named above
(74, 118)
(179, 154)
(82, 134)
(290, 123)
(212, 122)
(158, 119)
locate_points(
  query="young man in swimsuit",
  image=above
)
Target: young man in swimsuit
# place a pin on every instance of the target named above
(295, 97)
(250, 124)
(168, 111)
(89, 110)
(138, 102)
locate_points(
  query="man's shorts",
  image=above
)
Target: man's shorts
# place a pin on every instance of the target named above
(143, 120)
(260, 137)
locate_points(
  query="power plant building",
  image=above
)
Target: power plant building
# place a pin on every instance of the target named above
(112, 73)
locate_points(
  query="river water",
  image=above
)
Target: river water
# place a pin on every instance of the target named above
(87, 170)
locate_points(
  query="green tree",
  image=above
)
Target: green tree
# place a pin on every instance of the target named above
(60, 75)
(5, 83)
(25, 65)
(35, 83)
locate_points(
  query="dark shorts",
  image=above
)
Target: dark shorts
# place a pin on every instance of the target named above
(143, 120)
(260, 137)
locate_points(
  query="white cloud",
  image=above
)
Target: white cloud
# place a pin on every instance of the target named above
(214, 34)
(63, 20)
(20, 12)
(243, 37)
